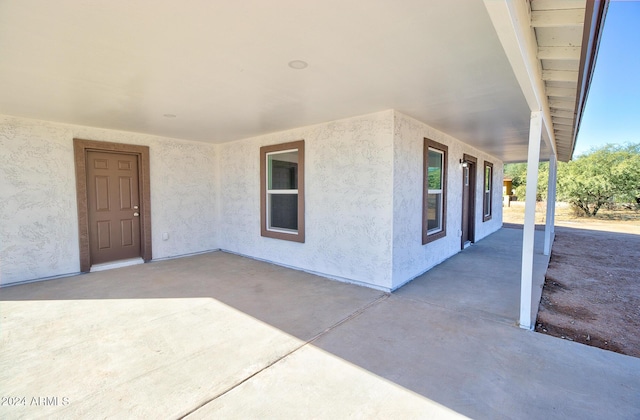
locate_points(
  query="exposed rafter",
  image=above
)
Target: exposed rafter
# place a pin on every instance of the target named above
(556, 92)
(557, 18)
(559, 53)
(560, 75)
(559, 104)
(562, 121)
(562, 114)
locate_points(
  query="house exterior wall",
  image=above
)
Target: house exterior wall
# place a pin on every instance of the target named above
(410, 257)
(348, 204)
(38, 210)
(363, 198)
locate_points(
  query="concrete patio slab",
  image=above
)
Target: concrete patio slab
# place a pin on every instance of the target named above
(312, 383)
(290, 300)
(120, 363)
(218, 335)
(157, 339)
(484, 278)
(486, 369)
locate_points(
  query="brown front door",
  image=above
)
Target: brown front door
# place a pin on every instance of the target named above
(468, 202)
(113, 206)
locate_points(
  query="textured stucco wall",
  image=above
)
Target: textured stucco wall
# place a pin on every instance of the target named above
(348, 199)
(363, 197)
(38, 222)
(38, 211)
(410, 257)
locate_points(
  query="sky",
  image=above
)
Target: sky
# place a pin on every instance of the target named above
(612, 111)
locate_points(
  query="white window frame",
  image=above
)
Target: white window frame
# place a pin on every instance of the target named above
(271, 192)
(266, 193)
(438, 191)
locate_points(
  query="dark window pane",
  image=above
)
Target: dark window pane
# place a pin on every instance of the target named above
(487, 203)
(434, 212)
(283, 211)
(283, 174)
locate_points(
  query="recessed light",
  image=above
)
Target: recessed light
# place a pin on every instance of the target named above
(169, 115)
(298, 64)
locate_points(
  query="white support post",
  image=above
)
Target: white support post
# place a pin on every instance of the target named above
(551, 205)
(555, 196)
(526, 279)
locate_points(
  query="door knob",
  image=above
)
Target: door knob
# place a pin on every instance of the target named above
(135, 207)
(136, 214)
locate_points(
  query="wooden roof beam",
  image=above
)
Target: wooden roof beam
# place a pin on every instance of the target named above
(563, 121)
(561, 114)
(560, 76)
(561, 92)
(557, 18)
(556, 4)
(562, 105)
(559, 53)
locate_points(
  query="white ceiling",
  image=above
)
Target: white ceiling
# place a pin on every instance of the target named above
(222, 66)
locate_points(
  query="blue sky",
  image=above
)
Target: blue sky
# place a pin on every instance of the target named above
(612, 112)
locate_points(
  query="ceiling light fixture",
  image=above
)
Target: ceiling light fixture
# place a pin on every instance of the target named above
(298, 64)
(169, 115)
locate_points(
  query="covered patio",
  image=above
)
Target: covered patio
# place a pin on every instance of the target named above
(219, 335)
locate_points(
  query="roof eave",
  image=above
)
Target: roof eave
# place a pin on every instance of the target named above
(595, 14)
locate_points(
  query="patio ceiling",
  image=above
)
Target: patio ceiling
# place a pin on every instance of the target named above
(217, 71)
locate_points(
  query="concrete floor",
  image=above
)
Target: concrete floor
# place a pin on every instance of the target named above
(221, 336)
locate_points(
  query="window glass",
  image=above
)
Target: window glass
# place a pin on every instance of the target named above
(434, 200)
(435, 169)
(434, 193)
(283, 170)
(434, 204)
(488, 189)
(487, 178)
(283, 211)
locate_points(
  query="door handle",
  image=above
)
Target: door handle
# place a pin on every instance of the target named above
(136, 214)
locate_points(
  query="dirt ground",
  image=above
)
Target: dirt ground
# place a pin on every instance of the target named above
(592, 287)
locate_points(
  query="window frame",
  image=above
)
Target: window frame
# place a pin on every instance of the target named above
(444, 149)
(298, 236)
(487, 215)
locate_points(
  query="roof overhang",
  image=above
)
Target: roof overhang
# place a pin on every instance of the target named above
(222, 67)
(595, 15)
(552, 47)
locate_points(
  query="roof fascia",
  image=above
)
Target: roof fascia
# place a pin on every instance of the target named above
(595, 15)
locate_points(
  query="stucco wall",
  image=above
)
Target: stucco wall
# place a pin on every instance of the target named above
(38, 212)
(410, 257)
(348, 199)
(363, 197)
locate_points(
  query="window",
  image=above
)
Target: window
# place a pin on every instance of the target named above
(282, 191)
(488, 191)
(434, 201)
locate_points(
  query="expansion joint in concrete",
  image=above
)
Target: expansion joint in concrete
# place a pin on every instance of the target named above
(349, 317)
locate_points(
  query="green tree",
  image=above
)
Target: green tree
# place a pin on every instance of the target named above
(626, 175)
(603, 175)
(518, 174)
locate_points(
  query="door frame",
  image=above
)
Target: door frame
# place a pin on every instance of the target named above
(472, 200)
(80, 149)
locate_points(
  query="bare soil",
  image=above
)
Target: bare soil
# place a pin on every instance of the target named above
(592, 290)
(591, 293)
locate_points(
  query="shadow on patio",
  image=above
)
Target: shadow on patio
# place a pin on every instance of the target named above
(222, 335)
